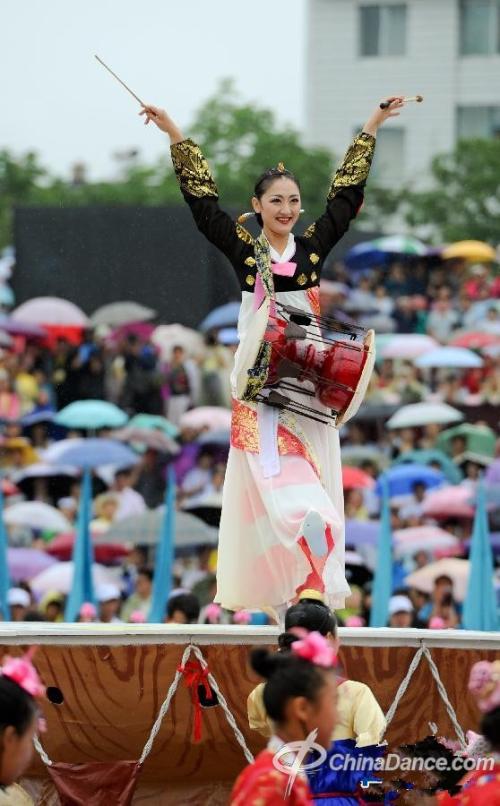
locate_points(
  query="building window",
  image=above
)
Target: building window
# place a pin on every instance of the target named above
(382, 30)
(479, 27)
(478, 121)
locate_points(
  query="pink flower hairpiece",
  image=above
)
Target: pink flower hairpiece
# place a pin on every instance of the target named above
(484, 684)
(213, 613)
(88, 610)
(22, 672)
(242, 617)
(137, 617)
(314, 647)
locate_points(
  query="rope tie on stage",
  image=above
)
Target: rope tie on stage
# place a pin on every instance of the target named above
(41, 752)
(424, 651)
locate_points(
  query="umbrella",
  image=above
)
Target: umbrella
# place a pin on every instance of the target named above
(361, 533)
(473, 251)
(28, 455)
(166, 337)
(91, 414)
(24, 563)
(217, 436)
(382, 583)
(143, 331)
(145, 529)
(448, 502)
(357, 454)
(417, 414)
(474, 340)
(36, 515)
(154, 422)
(479, 439)
(121, 313)
(210, 417)
(381, 250)
(141, 438)
(354, 478)
(492, 475)
(448, 468)
(452, 357)
(228, 336)
(26, 329)
(224, 316)
(43, 415)
(424, 538)
(453, 567)
(59, 577)
(480, 608)
(52, 454)
(40, 470)
(106, 553)
(95, 452)
(408, 345)
(402, 478)
(51, 311)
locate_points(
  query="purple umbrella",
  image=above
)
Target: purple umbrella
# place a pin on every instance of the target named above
(492, 475)
(18, 328)
(361, 533)
(494, 542)
(26, 563)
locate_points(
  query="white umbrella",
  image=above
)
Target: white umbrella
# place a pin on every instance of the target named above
(52, 454)
(36, 515)
(121, 313)
(165, 337)
(416, 414)
(40, 470)
(60, 578)
(408, 345)
(423, 538)
(452, 357)
(51, 311)
(458, 571)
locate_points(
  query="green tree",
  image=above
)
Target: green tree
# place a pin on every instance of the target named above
(18, 178)
(464, 201)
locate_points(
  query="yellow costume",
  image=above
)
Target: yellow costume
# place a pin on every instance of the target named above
(359, 714)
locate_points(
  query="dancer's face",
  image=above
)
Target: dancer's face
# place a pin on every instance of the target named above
(279, 206)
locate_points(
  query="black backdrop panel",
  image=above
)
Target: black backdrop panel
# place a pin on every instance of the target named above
(96, 255)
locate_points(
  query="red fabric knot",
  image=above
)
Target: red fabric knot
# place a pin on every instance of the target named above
(195, 675)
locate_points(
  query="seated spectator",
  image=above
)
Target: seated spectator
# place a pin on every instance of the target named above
(105, 508)
(109, 599)
(130, 502)
(401, 611)
(19, 602)
(183, 609)
(10, 404)
(141, 599)
(414, 508)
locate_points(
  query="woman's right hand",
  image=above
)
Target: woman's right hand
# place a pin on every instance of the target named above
(163, 121)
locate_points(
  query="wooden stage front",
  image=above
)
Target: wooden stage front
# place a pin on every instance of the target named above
(113, 679)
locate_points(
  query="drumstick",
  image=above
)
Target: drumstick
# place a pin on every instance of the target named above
(417, 98)
(119, 79)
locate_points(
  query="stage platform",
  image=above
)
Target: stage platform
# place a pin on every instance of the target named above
(111, 681)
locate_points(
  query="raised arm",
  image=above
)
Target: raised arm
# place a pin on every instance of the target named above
(198, 186)
(346, 192)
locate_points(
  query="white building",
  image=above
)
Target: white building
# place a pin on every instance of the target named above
(361, 51)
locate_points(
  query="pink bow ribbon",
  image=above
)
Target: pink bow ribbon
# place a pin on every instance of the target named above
(313, 647)
(282, 270)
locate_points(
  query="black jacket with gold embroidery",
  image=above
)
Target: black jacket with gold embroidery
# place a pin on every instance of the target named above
(343, 202)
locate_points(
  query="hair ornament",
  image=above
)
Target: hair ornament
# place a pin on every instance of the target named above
(281, 167)
(312, 646)
(22, 672)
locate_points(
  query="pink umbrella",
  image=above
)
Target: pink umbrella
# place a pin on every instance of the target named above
(51, 311)
(475, 340)
(25, 563)
(408, 345)
(354, 478)
(449, 502)
(456, 569)
(425, 538)
(143, 330)
(210, 417)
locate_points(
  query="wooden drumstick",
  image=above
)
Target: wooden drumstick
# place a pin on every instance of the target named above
(121, 82)
(417, 98)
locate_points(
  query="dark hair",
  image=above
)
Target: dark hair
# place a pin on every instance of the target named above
(265, 180)
(287, 676)
(310, 614)
(187, 603)
(17, 707)
(490, 727)
(145, 571)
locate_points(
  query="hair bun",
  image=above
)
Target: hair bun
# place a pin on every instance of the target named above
(286, 639)
(264, 662)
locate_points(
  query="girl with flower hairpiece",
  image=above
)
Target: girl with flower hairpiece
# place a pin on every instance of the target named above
(282, 525)
(300, 696)
(19, 716)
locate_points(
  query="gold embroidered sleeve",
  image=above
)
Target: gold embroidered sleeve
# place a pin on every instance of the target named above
(356, 165)
(192, 170)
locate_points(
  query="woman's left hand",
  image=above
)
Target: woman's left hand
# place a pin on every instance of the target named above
(395, 102)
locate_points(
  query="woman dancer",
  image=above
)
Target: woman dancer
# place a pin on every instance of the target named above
(282, 527)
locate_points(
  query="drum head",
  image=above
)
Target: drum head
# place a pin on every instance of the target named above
(363, 382)
(250, 346)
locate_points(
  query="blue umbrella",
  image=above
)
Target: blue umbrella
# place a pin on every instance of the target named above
(94, 452)
(452, 473)
(162, 581)
(382, 582)
(4, 569)
(479, 608)
(225, 316)
(452, 357)
(92, 414)
(361, 533)
(401, 478)
(82, 589)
